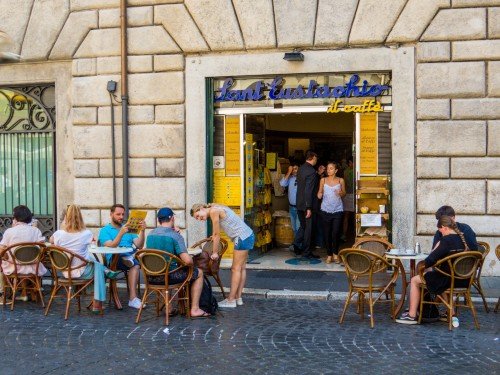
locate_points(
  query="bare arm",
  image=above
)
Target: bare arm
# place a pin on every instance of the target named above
(342, 192)
(186, 258)
(139, 241)
(117, 239)
(214, 216)
(321, 188)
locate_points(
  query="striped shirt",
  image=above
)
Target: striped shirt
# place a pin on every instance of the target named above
(233, 225)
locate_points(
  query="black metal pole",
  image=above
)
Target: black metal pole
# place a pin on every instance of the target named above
(124, 91)
(113, 148)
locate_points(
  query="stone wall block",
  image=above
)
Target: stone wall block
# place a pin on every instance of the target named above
(150, 40)
(106, 167)
(93, 4)
(46, 21)
(494, 22)
(494, 198)
(135, 64)
(163, 63)
(147, 141)
(84, 115)
(453, 79)
(75, 29)
(156, 88)
(476, 50)
(432, 194)
(91, 218)
(93, 192)
(83, 67)
(473, 3)
(385, 12)
(414, 18)
(457, 24)
(142, 167)
(91, 91)
(250, 10)
(446, 138)
(181, 26)
(86, 168)
(494, 78)
(91, 142)
(486, 108)
(494, 138)
(137, 114)
(433, 167)
(338, 13)
(433, 51)
(15, 20)
(483, 225)
(475, 167)
(157, 192)
(433, 109)
(210, 16)
(180, 218)
(170, 167)
(136, 16)
(100, 42)
(169, 114)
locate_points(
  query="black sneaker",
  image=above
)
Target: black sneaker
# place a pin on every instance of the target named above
(405, 318)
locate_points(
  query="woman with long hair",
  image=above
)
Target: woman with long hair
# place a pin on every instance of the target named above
(452, 241)
(331, 190)
(224, 218)
(74, 236)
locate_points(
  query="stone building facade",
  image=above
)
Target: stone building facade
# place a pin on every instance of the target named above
(448, 91)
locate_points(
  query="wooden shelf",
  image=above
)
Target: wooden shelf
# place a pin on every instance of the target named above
(372, 190)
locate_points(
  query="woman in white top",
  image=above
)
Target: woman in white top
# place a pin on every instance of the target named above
(331, 190)
(75, 237)
(241, 234)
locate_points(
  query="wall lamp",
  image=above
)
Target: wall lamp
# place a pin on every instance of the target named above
(294, 56)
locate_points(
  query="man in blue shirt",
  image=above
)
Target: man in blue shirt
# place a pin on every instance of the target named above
(469, 235)
(115, 234)
(290, 181)
(165, 237)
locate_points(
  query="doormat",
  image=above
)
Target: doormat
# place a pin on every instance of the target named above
(302, 261)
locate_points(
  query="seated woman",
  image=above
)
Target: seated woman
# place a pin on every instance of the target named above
(452, 241)
(75, 237)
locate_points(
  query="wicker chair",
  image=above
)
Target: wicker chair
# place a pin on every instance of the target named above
(462, 266)
(497, 252)
(484, 249)
(378, 246)
(23, 254)
(156, 264)
(62, 261)
(207, 244)
(367, 274)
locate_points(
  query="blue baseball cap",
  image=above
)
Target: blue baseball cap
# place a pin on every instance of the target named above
(165, 213)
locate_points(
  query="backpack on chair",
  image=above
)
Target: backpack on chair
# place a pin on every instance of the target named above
(430, 313)
(208, 303)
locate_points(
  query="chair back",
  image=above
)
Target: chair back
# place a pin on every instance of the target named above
(359, 262)
(484, 249)
(374, 245)
(156, 263)
(459, 265)
(497, 252)
(63, 260)
(23, 254)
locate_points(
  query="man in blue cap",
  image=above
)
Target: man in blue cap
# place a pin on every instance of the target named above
(161, 238)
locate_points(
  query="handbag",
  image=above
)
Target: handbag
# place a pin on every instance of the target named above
(203, 260)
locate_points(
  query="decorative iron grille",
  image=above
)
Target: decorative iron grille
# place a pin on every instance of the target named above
(27, 162)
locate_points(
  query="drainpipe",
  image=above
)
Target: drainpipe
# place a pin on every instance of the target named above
(124, 92)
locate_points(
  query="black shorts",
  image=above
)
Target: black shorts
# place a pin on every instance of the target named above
(176, 277)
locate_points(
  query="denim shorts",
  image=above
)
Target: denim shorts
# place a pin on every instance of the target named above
(246, 244)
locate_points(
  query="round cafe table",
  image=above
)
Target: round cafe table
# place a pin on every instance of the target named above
(399, 256)
(115, 251)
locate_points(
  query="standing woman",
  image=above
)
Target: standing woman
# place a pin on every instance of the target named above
(241, 234)
(74, 236)
(331, 190)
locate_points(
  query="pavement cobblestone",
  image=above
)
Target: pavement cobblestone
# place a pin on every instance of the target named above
(277, 336)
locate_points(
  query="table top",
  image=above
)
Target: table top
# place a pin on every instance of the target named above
(110, 250)
(402, 254)
(194, 251)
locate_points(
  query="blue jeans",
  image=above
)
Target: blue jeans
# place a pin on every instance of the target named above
(246, 244)
(294, 219)
(96, 270)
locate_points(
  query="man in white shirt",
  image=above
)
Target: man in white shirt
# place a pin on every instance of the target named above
(290, 181)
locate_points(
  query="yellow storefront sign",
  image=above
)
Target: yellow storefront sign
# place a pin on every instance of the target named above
(368, 144)
(368, 106)
(232, 145)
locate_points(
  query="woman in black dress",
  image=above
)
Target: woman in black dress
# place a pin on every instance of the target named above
(452, 241)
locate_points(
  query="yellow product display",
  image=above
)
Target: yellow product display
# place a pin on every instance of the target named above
(267, 236)
(267, 177)
(230, 247)
(267, 217)
(267, 195)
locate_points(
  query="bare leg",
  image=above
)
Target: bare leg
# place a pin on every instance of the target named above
(243, 275)
(239, 259)
(133, 278)
(196, 287)
(414, 295)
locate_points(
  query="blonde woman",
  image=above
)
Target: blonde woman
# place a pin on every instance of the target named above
(74, 236)
(224, 218)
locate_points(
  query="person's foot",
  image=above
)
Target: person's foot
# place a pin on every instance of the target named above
(227, 304)
(297, 250)
(328, 260)
(128, 261)
(135, 303)
(199, 313)
(239, 301)
(405, 318)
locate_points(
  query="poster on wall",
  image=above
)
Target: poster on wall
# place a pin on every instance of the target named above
(368, 144)
(232, 146)
(248, 170)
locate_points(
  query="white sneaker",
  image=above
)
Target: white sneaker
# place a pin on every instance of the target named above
(22, 298)
(128, 261)
(135, 303)
(227, 304)
(239, 301)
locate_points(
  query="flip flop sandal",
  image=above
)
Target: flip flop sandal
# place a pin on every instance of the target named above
(204, 316)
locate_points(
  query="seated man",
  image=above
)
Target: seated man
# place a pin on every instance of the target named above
(21, 231)
(165, 237)
(470, 236)
(115, 234)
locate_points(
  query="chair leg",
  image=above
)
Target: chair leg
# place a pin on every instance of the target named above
(55, 289)
(144, 298)
(219, 282)
(14, 291)
(479, 288)
(68, 301)
(471, 305)
(496, 307)
(167, 307)
(372, 321)
(346, 305)
(39, 289)
(362, 305)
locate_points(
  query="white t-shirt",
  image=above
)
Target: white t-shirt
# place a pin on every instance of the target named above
(76, 242)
